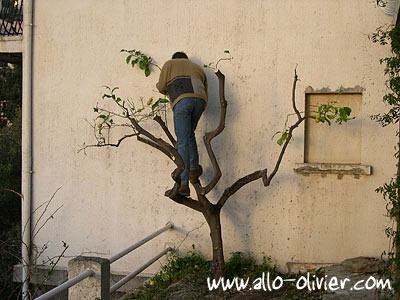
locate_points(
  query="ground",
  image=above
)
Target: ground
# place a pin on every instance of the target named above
(186, 279)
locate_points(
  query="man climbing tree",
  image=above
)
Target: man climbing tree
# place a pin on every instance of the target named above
(129, 115)
(186, 85)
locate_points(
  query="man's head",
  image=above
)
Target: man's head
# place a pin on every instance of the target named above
(179, 55)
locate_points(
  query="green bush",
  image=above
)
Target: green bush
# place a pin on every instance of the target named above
(187, 276)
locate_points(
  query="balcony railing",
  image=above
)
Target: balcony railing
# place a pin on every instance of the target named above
(10, 17)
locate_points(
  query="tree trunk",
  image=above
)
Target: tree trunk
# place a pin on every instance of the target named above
(212, 217)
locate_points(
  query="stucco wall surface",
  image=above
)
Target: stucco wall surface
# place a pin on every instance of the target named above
(113, 197)
(11, 44)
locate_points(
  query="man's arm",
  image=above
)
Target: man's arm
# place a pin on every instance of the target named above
(162, 81)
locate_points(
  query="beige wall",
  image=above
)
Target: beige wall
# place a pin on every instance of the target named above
(113, 197)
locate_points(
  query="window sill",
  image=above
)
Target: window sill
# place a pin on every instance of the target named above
(333, 168)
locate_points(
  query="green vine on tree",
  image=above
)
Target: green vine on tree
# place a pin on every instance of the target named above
(143, 61)
(391, 191)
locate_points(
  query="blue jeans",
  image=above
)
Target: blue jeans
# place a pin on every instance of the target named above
(187, 113)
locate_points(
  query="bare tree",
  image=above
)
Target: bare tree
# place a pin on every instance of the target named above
(211, 212)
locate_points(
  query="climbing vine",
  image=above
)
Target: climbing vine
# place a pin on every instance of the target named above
(391, 190)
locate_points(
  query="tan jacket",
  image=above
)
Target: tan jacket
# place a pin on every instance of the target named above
(181, 78)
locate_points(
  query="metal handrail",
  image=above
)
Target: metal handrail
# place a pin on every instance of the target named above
(139, 270)
(140, 243)
(66, 285)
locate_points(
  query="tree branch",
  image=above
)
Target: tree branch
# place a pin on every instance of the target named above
(300, 119)
(239, 184)
(210, 135)
(84, 147)
(282, 153)
(174, 155)
(263, 173)
(154, 145)
(189, 202)
(166, 130)
(294, 95)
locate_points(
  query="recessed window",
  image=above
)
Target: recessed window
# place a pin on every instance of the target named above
(336, 143)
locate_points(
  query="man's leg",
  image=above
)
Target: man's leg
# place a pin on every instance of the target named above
(182, 124)
(198, 108)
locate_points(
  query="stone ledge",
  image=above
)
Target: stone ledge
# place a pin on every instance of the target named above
(11, 44)
(332, 168)
(303, 267)
(11, 38)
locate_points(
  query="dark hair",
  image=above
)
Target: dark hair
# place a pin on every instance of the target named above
(179, 55)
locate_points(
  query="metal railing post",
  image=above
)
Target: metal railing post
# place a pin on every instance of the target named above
(97, 286)
(62, 287)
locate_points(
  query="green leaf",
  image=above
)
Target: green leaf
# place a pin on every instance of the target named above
(347, 110)
(104, 117)
(106, 96)
(331, 117)
(153, 107)
(164, 277)
(135, 61)
(95, 109)
(343, 114)
(118, 100)
(163, 100)
(283, 138)
(226, 51)
(128, 59)
(147, 71)
(276, 134)
(142, 64)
